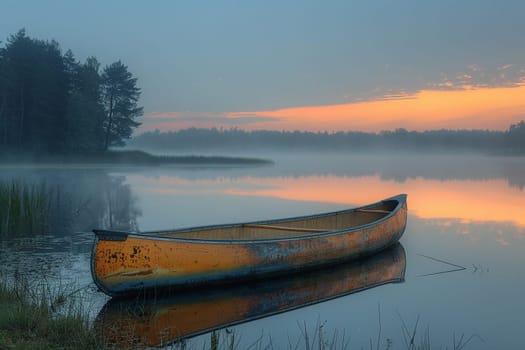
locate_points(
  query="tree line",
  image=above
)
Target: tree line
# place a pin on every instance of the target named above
(52, 103)
(488, 141)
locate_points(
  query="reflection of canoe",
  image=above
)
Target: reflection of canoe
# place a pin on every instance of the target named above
(126, 263)
(149, 322)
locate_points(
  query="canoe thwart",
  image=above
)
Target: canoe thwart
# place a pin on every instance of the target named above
(376, 211)
(286, 228)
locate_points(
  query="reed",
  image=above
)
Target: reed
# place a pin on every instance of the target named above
(24, 208)
(37, 316)
(411, 343)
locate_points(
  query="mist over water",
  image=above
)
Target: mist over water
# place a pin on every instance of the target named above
(463, 209)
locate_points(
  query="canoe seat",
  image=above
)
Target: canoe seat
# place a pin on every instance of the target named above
(286, 228)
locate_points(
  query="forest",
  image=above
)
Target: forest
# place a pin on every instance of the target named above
(51, 103)
(511, 141)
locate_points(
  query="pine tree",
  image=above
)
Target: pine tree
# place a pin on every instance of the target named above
(85, 109)
(120, 95)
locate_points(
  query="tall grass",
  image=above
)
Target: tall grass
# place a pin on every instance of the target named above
(36, 316)
(24, 208)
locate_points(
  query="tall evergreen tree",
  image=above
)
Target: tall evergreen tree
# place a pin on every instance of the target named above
(85, 109)
(34, 94)
(3, 99)
(16, 68)
(120, 96)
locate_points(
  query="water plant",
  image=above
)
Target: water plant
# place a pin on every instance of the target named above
(24, 208)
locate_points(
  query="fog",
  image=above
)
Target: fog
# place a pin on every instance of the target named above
(398, 166)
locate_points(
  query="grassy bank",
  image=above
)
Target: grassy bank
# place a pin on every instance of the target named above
(128, 158)
(34, 317)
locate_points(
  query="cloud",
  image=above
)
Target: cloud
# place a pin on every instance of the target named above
(218, 118)
(476, 77)
(250, 118)
(183, 120)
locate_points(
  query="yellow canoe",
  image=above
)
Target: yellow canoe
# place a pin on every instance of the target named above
(128, 263)
(159, 321)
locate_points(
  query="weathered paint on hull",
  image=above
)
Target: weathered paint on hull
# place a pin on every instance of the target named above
(182, 315)
(141, 261)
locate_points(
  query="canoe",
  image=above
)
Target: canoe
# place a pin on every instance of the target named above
(161, 321)
(131, 262)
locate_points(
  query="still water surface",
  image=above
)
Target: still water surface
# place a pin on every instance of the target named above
(465, 210)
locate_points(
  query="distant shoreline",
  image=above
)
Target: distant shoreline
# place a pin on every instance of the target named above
(140, 158)
(510, 142)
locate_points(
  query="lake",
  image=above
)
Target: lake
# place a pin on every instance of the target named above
(462, 249)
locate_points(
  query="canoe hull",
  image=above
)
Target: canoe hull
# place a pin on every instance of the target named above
(136, 262)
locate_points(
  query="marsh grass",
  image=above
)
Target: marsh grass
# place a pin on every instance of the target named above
(38, 316)
(24, 208)
(410, 335)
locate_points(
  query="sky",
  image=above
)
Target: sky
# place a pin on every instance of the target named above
(300, 64)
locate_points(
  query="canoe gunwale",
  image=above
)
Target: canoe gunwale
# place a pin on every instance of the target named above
(158, 235)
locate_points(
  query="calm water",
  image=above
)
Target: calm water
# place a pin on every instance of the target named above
(465, 210)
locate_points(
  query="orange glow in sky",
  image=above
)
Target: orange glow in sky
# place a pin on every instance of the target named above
(468, 108)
